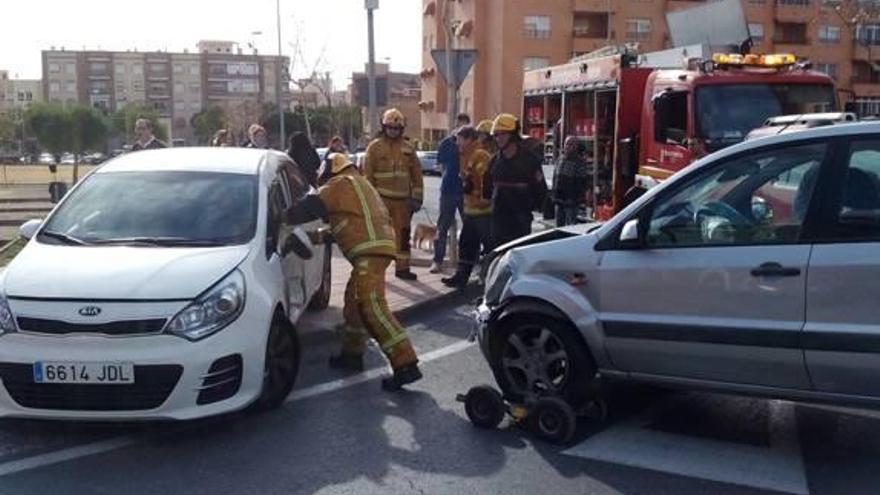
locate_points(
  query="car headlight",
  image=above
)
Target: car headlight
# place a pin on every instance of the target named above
(7, 320)
(499, 276)
(212, 311)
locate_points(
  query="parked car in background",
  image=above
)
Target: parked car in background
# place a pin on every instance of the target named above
(752, 271)
(68, 159)
(207, 288)
(46, 159)
(429, 162)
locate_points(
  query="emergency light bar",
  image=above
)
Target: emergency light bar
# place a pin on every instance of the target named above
(754, 60)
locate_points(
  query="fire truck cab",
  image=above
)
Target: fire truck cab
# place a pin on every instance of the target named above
(642, 122)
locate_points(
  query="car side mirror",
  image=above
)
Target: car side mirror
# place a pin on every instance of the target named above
(629, 235)
(298, 243)
(30, 228)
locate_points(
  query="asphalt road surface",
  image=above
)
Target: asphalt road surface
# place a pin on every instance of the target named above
(340, 434)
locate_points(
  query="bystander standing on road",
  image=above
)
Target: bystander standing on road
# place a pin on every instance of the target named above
(258, 137)
(143, 128)
(515, 182)
(222, 138)
(450, 192)
(570, 182)
(477, 219)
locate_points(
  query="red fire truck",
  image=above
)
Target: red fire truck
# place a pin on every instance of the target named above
(643, 120)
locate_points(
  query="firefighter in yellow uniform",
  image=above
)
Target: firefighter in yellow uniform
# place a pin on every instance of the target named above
(487, 142)
(361, 227)
(392, 167)
(477, 222)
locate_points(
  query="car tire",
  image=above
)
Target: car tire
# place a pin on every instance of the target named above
(321, 299)
(533, 356)
(281, 365)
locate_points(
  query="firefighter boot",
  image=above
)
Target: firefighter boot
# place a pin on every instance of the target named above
(402, 376)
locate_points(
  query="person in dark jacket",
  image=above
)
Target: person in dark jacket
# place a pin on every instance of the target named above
(570, 182)
(145, 138)
(515, 182)
(450, 192)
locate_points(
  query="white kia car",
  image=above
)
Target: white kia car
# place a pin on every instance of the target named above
(164, 286)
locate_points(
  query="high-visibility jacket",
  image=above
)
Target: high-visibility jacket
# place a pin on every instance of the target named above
(394, 169)
(359, 220)
(474, 167)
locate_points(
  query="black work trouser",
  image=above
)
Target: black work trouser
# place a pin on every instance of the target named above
(476, 232)
(510, 225)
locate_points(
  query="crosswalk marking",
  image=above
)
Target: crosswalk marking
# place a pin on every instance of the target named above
(779, 467)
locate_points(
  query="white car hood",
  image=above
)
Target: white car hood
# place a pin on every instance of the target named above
(118, 272)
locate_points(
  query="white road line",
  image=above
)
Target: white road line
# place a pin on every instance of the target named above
(80, 451)
(777, 467)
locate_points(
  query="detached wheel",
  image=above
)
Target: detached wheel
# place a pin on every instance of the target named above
(484, 407)
(553, 420)
(321, 299)
(281, 367)
(534, 357)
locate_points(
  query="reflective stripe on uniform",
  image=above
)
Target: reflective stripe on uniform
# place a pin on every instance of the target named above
(388, 193)
(368, 216)
(383, 319)
(388, 346)
(391, 175)
(474, 212)
(339, 228)
(369, 245)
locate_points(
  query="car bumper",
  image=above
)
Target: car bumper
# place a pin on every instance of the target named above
(482, 316)
(174, 379)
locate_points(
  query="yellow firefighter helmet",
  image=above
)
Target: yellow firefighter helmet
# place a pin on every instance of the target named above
(505, 122)
(339, 162)
(393, 117)
(485, 126)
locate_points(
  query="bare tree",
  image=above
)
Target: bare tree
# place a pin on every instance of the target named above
(857, 16)
(309, 73)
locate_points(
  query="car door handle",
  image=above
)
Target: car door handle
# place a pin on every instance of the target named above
(773, 269)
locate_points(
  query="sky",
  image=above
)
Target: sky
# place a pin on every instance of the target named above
(333, 31)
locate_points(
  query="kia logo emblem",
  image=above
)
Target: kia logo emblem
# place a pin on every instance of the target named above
(90, 311)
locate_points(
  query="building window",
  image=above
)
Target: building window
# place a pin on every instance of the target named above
(138, 86)
(829, 34)
(867, 106)
(195, 87)
(98, 67)
(790, 33)
(194, 70)
(830, 3)
(830, 69)
(868, 34)
(591, 25)
(536, 26)
(120, 69)
(54, 87)
(195, 106)
(178, 69)
(179, 88)
(757, 2)
(70, 87)
(54, 68)
(137, 69)
(532, 63)
(793, 2)
(638, 29)
(756, 31)
(158, 69)
(70, 69)
(179, 106)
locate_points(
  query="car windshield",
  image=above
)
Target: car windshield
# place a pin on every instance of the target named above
(726, 113)
(157, 208)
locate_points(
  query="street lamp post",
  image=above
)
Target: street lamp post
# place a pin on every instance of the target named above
(371, 5)
(280, 93)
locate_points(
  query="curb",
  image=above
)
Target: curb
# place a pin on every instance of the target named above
(327, 335)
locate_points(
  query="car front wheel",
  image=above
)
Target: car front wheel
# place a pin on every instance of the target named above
(281, 366)
(534, 356)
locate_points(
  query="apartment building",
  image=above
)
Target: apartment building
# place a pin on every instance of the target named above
(17, 95)
(511, 36)
(176, 85)
(400, 90)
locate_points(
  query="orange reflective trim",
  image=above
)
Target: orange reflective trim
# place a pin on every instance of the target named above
(655, 172)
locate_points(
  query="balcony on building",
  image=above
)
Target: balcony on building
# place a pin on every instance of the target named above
(674, 5)
(590, 25)
(795, 11)
(594, 6)
(790, 34)
(867, 43)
